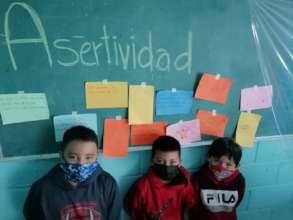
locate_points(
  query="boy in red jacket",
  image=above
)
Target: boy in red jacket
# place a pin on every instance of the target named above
(165, 191)
(219, 183)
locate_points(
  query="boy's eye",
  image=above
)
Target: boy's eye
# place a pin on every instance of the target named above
(160, 161)
(230, 165)
(216, 160)
(173, 163)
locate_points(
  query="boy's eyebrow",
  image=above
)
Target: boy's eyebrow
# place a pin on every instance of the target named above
(73, 153)
(70, 153)
(160, 158)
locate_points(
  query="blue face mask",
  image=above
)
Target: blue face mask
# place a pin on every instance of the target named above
(78, 172)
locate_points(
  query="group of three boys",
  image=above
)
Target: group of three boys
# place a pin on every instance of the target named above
(78, 188)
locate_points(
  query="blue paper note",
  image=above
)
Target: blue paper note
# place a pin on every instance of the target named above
(64, 122)
(173, 102)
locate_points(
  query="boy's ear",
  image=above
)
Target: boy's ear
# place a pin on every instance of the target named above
(61, 155)
(209, 159)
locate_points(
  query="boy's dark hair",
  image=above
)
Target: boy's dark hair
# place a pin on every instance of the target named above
(79, 133)
(225, 147)
(166, 143)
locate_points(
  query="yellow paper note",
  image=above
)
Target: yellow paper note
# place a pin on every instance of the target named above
(141, 104)
(246, 128)
(106, 95)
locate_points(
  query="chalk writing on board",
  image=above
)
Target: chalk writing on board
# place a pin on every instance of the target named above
(39, 26)
(107, 49)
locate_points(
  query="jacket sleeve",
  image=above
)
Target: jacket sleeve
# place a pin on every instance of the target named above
(190, 199)
(194, 212)
(114, 204)
(241, 190)
(32, 207)
(133, 202)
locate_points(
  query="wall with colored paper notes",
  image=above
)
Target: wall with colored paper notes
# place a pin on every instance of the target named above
(85, 56)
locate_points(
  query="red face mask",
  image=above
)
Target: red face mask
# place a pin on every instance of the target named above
(221, 172)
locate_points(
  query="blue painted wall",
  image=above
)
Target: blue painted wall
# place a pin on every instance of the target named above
(268, 168)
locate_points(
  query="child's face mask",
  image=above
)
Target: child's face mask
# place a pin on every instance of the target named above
(78, 172)
(166, 164)
(79, 160)
(222, 167)
(221, 172)
(166, 172)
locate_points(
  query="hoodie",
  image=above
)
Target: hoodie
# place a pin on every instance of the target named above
(53, 198)
(218, 199)
(151, 199)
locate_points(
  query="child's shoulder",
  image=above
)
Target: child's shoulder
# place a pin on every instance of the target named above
(106, 177)
(143, 181)
(240, 177)
(41, 183)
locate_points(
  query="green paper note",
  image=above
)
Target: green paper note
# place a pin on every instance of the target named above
(23, 107)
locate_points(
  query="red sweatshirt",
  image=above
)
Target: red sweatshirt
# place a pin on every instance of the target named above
(149, 198)
(218, 199)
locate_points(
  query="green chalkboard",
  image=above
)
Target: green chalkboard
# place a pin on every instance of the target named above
(54, 47)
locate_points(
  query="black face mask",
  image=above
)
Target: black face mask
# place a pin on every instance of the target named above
(166, 172)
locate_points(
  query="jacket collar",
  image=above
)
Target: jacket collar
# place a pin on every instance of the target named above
(182, 178)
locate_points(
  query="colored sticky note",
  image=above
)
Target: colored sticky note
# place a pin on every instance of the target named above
(256, 98)
(64, 122)
(173, 102)
(213, 89)
(116, 136)
(147, 133)
(185, 132)
(212, 124)
(141, 104)
(23, 107)
(246, 128)
(106, 94)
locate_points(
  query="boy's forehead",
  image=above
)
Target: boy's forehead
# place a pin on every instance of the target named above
(224, 158)
(167, 154)
(80, 146)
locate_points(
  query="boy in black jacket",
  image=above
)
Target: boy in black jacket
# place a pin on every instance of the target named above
(219, 184)
(76, 188)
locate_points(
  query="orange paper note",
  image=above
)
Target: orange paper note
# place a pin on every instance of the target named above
(148, 133)
(212, 124)
(213, 88)
(116, 136)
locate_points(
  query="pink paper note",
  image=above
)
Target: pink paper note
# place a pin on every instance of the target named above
(256, 98)
(185, 132)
